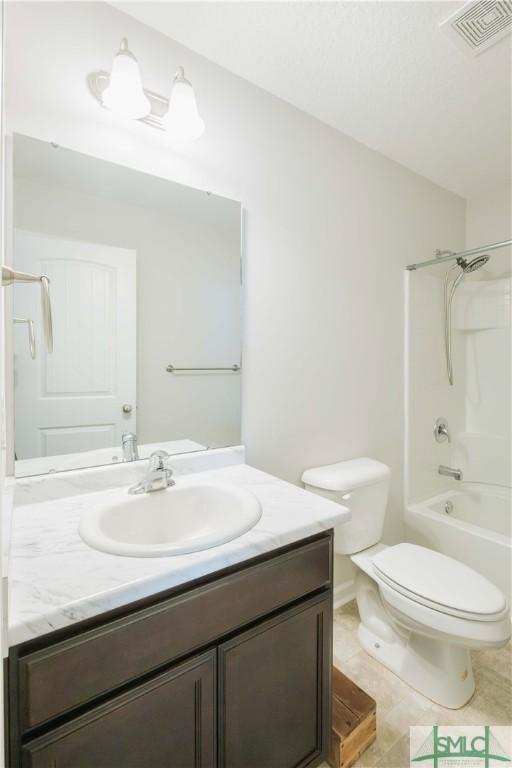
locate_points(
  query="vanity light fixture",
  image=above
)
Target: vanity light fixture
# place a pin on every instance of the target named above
(124, 94)
(121, 91)
(182, 120)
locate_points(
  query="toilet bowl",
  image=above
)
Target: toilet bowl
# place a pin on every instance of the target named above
(421, 612)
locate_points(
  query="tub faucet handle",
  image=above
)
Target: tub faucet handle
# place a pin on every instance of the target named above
(441, 430)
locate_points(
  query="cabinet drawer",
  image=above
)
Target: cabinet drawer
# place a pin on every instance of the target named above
(70, 673)
(168, 721)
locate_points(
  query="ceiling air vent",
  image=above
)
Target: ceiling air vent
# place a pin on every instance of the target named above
(478, 25)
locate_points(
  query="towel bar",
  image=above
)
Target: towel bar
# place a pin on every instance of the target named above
(172, 369)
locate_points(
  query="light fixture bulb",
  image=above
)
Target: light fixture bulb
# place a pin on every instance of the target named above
(182, 120)
(124, 94)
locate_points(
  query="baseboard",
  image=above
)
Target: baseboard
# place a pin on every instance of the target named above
(344, 593)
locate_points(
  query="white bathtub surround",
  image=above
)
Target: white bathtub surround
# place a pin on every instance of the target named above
(482, 325)
(468, 520)
(477, 407)
(476, 530)
(471, 523)
(428, 394)
(483, 457)
(56, 580)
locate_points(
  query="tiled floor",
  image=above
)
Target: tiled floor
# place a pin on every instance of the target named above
(399, 706)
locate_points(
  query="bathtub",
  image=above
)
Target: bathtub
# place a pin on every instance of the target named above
(471, 524)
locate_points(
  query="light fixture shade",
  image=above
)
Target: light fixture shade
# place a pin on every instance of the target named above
(124, 94)
(182, 120)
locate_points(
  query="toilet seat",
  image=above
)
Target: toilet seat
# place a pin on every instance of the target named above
(439, 583)
(430, 622)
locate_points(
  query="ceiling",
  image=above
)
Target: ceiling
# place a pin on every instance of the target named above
(381, 72)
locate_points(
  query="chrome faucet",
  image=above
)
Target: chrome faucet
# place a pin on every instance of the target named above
(129, 446)
(158, 476)
(450, 472)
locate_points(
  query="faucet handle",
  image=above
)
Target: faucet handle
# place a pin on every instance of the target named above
(158, 476)
(441, 430)
(157, 459)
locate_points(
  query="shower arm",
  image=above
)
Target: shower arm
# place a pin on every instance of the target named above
(10, 276)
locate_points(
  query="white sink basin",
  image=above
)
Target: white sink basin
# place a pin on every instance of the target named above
(185, 518)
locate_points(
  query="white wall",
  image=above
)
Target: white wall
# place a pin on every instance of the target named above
(179, 260)
(329, 227)
(489, 220)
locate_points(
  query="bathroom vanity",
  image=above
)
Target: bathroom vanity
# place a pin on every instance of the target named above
(238, 663)
(230, 665)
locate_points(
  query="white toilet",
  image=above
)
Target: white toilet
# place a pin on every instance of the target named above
(420, 611)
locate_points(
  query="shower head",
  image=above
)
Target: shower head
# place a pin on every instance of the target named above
(467, 267)
(473, 265)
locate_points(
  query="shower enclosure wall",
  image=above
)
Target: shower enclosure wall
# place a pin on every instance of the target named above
(468, 519)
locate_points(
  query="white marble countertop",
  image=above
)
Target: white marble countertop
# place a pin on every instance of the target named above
(55, 579)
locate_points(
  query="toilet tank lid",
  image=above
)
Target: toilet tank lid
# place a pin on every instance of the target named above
(346, 475)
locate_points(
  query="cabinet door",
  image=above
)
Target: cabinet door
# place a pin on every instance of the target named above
(169, 722)
(274, 690)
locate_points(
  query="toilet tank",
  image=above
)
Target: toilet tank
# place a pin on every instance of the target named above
(362, 485)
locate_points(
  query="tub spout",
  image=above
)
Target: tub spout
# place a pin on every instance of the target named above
(450, 472)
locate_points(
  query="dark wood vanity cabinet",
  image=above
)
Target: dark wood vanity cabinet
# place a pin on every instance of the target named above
(232, 671)
(169, 721)
(274, 683)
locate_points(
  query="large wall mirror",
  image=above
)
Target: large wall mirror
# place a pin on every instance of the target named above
(146, 305)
